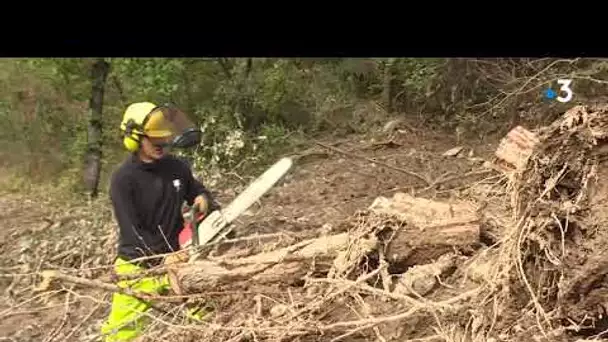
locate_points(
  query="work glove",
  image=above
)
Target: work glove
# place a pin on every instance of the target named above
(201, 203)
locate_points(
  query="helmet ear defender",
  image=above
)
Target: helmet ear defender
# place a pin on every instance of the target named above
(134, 131)
(131, 140)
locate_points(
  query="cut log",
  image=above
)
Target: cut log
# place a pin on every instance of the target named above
(283, 266)
(431, 228)
(515, 149)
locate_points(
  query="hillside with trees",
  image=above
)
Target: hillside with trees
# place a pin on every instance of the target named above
(61, 115)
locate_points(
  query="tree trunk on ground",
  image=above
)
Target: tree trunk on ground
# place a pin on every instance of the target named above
(99, 74)
(283, 266)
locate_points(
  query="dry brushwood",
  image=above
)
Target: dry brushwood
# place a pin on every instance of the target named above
(418, 225)
(317, 274)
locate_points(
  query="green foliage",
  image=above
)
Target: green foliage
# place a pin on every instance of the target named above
(154, 79)
(250, 110)
(68, 75)
(39, 117)
(415, 74)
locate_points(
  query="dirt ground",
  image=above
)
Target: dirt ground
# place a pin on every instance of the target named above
(327, 185)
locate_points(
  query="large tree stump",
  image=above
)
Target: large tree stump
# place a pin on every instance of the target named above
(431, 228)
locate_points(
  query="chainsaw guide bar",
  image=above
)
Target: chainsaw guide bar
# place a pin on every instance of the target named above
(213, 227)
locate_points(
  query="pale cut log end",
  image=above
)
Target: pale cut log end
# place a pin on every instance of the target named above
(515, 149)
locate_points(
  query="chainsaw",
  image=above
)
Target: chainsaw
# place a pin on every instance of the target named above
(200, 230)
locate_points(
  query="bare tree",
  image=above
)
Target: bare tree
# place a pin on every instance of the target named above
(92, 169)
(387, 89)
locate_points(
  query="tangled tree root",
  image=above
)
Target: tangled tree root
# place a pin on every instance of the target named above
(554, 259)
(562, 200)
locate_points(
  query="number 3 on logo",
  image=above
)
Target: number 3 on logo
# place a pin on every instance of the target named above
(565, 88)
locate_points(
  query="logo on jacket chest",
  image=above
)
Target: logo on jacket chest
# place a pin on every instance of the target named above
(177, 184)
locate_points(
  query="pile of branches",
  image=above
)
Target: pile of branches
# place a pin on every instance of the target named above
(363, 279)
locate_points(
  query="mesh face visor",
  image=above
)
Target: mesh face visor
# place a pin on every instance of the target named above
(171, 125)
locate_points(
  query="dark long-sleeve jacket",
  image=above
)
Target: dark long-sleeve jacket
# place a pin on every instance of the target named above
(147, 199)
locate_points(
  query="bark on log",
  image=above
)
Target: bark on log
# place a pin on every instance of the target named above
(432, 228)
(283, 266)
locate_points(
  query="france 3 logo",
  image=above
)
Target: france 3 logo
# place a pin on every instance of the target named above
(563, 90)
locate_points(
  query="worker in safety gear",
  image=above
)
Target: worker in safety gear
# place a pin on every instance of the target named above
(147, 193)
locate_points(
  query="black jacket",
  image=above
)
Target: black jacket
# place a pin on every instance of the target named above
(147, 200)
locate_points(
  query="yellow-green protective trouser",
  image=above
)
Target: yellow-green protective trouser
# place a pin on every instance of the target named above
(128, 318)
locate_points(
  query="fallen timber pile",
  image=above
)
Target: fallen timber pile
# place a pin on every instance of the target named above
(520, 260)
(341, 254)
(397, 248)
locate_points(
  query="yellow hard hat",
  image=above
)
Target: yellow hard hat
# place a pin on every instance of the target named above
(145, 118)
